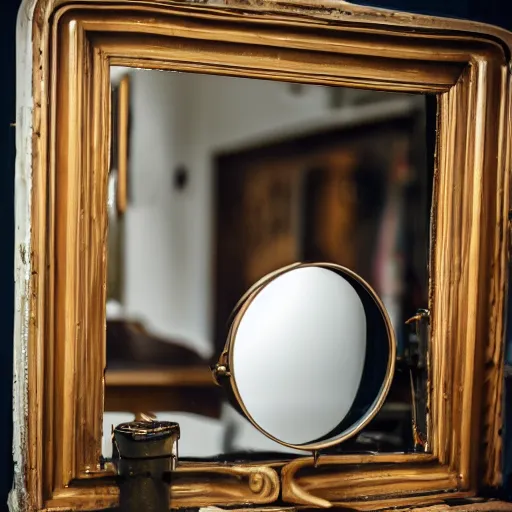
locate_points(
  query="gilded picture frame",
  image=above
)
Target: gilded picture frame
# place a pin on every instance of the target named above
(65, 49)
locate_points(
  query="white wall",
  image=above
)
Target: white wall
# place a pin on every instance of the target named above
(166, 242)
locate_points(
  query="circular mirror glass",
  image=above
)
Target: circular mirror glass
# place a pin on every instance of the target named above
(310, 355)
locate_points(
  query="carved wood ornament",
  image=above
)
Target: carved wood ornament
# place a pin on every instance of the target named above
(66, 49)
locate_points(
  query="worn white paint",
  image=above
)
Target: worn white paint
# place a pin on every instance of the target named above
(23, 265)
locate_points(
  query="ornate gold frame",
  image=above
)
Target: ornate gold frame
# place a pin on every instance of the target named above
(62, 125)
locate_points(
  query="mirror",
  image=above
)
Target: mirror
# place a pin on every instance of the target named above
(310, 355)
(217, 181)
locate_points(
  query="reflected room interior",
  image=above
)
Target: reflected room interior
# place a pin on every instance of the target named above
(216, 181)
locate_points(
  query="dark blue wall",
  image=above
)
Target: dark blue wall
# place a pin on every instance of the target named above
(490, 11)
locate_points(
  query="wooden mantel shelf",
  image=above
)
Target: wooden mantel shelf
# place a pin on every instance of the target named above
(162, 389)
(196, 376)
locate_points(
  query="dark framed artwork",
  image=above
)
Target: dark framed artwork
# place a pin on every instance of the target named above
(357, 196)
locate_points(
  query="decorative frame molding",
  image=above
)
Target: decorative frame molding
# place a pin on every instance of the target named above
(65, 48)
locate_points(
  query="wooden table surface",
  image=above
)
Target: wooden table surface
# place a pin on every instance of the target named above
(158, 389)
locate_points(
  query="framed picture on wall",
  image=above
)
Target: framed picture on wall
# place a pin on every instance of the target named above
(117, 184)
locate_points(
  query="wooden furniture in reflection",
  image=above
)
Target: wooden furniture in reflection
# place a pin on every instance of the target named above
(148, 374)
(143, 390)
(317, 197)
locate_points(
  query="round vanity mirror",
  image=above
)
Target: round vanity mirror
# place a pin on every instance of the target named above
(309, 356)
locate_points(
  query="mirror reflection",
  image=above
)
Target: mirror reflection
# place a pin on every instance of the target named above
(216, 181)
